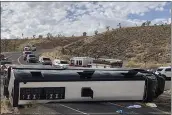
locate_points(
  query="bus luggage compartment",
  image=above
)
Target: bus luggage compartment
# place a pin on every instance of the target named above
(73, 85)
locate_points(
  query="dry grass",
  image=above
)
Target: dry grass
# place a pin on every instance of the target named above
(137, 45)
(5, 107)
(56, 54)
(133, 64)
(44, 43)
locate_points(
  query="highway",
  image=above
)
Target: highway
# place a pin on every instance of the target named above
(96, 108)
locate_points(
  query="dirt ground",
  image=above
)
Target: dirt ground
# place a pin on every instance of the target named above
(163, 102)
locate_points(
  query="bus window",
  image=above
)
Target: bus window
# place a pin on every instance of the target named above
(72, 62)
(77, 62)
(80, 62)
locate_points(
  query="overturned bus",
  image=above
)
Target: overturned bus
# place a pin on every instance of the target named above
(26, 84)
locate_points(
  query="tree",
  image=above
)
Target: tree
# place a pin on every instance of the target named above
(96, 32)
(63, 50)
(119, 25)
(107, 27)
(84, 33)
(60, 35)
(40, 36)
(34, 36)
(49, 36)
(148, 23)
(143, 24)
(136, 24)
(73, 35)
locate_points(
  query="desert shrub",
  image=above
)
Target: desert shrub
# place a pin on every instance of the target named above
(132, 64)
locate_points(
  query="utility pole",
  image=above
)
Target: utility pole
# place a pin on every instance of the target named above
(5, 45)
(171, 38)
(145, 59)
(14, 46)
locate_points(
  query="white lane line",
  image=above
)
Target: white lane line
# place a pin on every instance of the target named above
(9, 56)
(158, 113)
(108, 113)
(19, 60)
(73, 109)
(113, 113)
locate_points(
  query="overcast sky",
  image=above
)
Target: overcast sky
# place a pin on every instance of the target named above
(68, 18)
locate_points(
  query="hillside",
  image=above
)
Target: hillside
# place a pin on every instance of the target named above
(126, 44)
(135, 44)
(8, 45)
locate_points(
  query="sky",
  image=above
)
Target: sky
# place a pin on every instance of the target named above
(74, 18)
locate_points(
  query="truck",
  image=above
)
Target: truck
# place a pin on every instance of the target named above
(81, 61)
(112, 63)
(60, 63)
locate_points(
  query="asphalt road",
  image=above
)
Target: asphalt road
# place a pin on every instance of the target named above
(96, 108)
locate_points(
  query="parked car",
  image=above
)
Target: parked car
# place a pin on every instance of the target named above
(60, 63)
(33, 48)
(45, 61)
(167, 73)
(25, 53)
(31, 58)
(27, 48)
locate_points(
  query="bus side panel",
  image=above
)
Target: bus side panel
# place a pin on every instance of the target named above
(102, 90)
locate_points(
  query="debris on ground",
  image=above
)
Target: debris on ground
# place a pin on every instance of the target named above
(167, 92)
(119, 111)
(151, 104)
(16, 111)
(134, 106)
